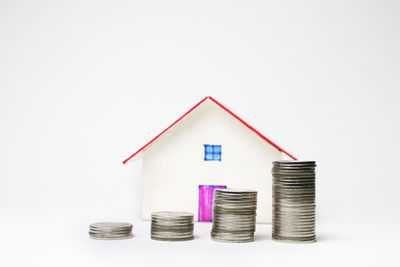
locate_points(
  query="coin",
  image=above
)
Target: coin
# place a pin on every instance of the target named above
(110, 230)
(234, 215)
(172, 226)
(293, 191)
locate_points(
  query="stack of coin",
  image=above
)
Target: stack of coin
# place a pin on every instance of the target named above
(293, 208)
(110, 230)
(172, 226)
(234, 215)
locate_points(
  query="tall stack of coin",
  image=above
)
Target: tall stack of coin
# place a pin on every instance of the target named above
(234, 215)
(293, 208)
(172, 226)
(110, 230)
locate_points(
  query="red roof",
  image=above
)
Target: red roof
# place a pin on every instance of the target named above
(224, 108)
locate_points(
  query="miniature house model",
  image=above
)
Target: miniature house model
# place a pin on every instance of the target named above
(209, 147)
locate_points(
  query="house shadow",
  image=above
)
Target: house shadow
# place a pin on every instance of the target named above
(261, 237)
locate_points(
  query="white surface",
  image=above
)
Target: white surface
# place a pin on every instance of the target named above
(85, 83)
(174, 167)
(67, 244)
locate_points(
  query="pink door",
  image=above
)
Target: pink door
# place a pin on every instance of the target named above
(206, 199)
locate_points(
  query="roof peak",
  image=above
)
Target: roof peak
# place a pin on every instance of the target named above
(224, 108)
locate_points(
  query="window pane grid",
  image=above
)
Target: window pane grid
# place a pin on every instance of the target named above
(212, 152)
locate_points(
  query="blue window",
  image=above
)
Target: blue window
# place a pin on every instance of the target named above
(212, 152)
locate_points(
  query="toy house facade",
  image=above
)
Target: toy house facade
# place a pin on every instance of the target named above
(207, 148)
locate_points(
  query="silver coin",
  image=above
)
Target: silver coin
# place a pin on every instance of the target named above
(173, 215)
(294, 162)
(111, 238)
(172, 234)
(108, 235)
(110, 230)
(236, 191)
(172, 226)
(296, 230)
(232, 238)
(293, 205)
(110, 225)
(234, 215)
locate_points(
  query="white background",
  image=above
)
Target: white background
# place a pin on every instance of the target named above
(84, 84)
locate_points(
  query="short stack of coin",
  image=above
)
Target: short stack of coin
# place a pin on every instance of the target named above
(293, 208)
(172, 226)
(110, 230)
(234, 215)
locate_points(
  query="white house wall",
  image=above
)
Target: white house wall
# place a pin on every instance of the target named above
(174, 166)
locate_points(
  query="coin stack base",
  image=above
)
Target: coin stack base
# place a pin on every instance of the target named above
(234, 215)
(172, 226)
(110, 231)
(293, 215)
